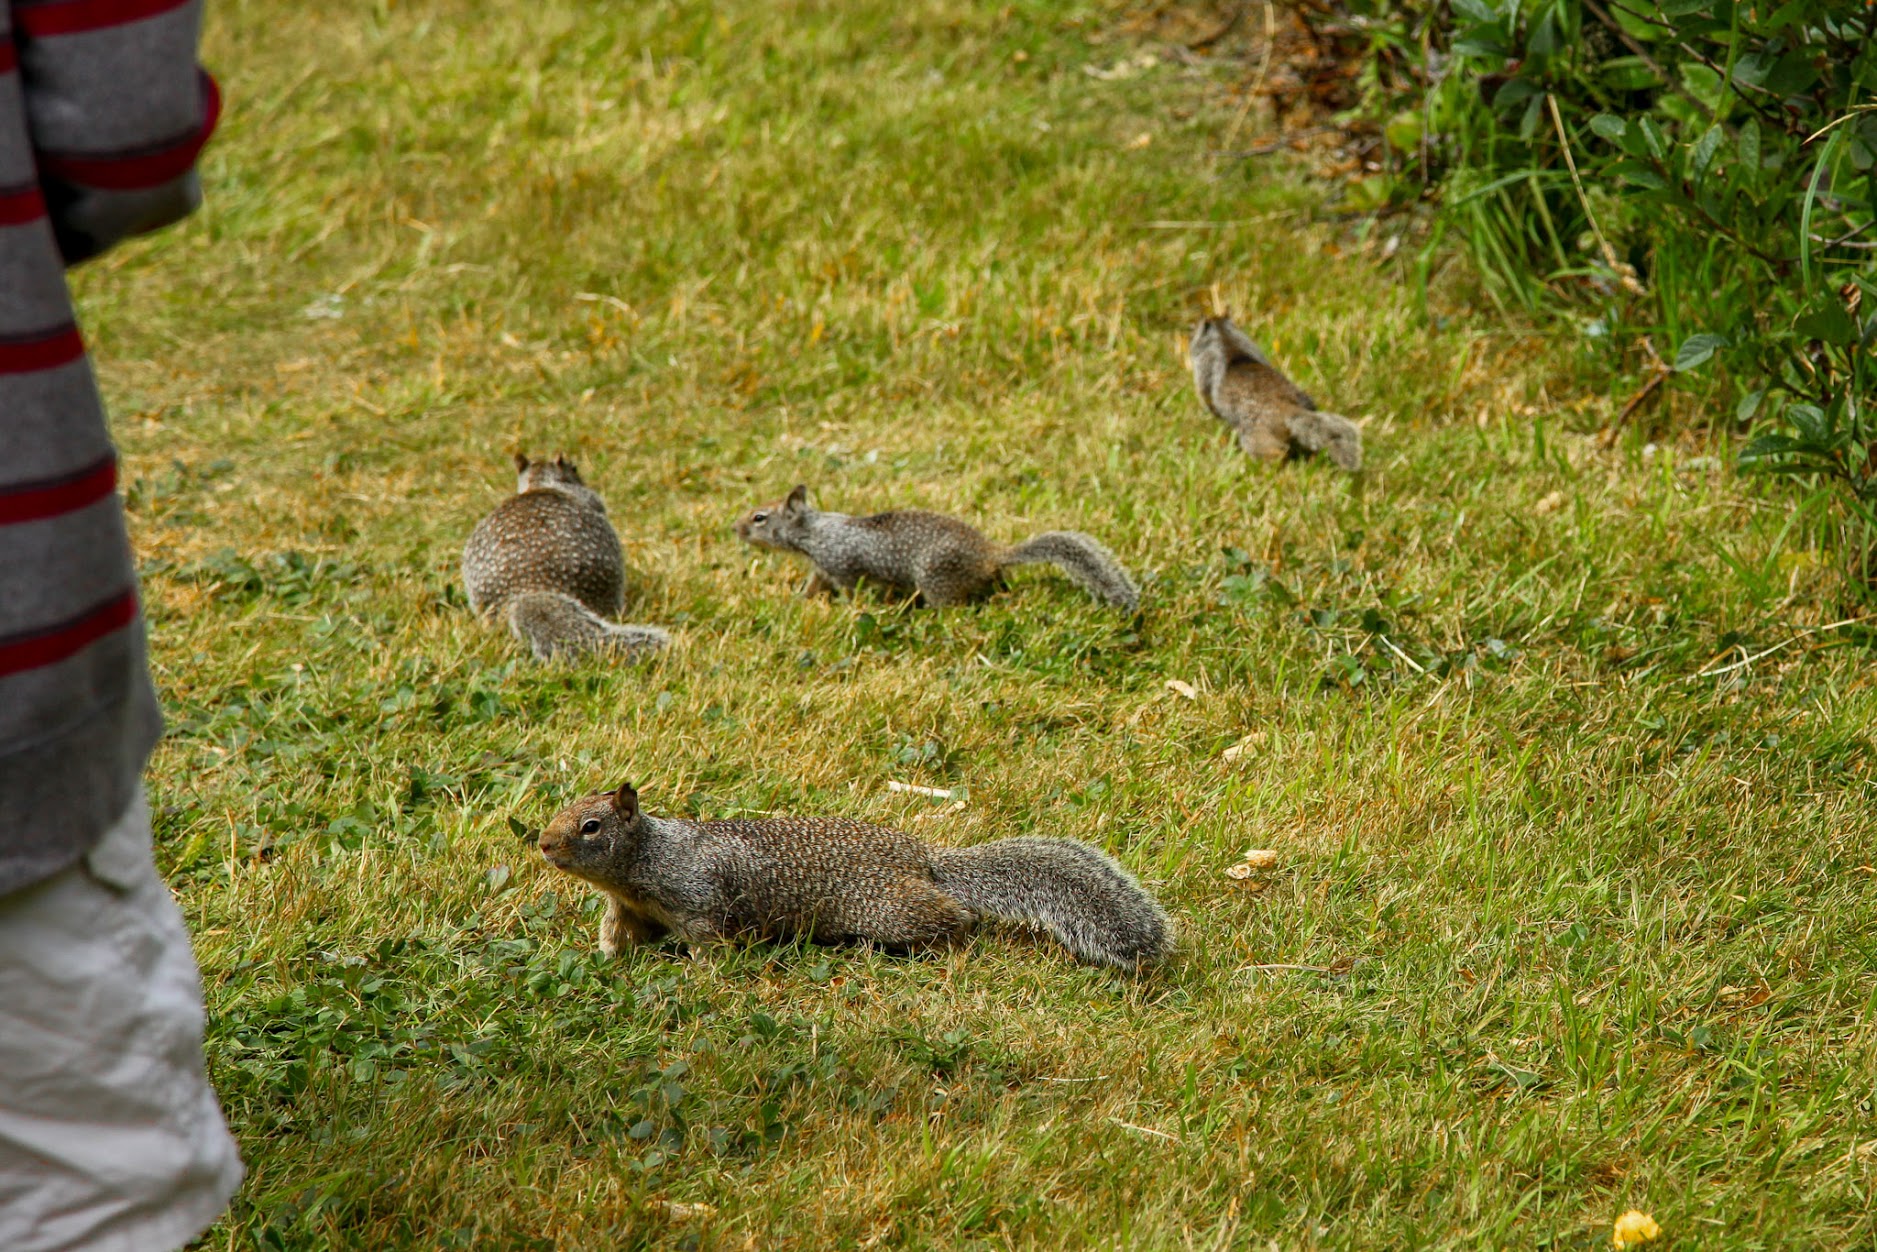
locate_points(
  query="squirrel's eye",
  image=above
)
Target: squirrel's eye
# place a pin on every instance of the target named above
(590, 827)
(759, 517)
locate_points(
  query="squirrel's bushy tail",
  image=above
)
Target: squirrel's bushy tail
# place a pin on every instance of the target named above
(1330, 433)
(552, 624)
(1074, 891)
(1091, 566)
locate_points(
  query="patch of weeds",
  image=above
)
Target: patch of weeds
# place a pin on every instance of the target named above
(1250, 584)
(290, 577)
(165, 495)
(1377, 651)
(919, 753)
(1064, 649)
(952, 1055)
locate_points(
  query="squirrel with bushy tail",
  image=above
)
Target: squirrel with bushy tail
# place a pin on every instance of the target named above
(939, 560)
(1274, 418)
(547, 563)
(832, 880)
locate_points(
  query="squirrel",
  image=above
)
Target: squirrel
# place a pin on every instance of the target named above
(831, 880)
(547, 562)
(940, 559)
(1274, 417)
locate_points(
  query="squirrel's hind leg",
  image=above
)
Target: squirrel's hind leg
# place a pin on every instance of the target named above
(1266, 438)
(956, 576)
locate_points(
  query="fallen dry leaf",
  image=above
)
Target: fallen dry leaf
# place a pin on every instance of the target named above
(1182, 688)
(1550, 504)
(678, 1212)
(1254, 740)
(1256, 859)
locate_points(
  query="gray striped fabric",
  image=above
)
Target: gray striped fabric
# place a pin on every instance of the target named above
(102, 112)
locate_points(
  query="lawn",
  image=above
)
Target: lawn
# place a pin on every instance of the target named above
(1569, 782)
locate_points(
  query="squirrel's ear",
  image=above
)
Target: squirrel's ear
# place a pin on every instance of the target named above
(798, 499)
(626, 801)
(560, 459)
(521, 463)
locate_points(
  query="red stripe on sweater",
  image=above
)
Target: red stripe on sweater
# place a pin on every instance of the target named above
(9, 59)
(21, 205)
(48, 647)
(75, 17)
(35, 502)
(142, 170)
(49, 351)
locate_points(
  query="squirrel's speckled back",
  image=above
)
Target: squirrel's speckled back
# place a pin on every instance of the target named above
(547, 562)
(552, 535)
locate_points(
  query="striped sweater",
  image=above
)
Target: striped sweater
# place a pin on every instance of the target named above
(102, 112)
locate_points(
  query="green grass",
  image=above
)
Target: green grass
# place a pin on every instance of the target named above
(1589, 901)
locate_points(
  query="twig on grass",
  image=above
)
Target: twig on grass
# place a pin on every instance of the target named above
(1413, 664)
(939, 793)
(1308, 969)
(1145, 1130)
(595, 297)
(1759, 656)
(1661, 375)
(1257, 85)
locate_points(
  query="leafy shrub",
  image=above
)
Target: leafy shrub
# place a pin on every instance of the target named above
(1699, 171)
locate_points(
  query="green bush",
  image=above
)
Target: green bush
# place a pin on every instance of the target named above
(1702, 172)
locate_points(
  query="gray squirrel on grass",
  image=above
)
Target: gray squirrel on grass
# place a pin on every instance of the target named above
(1274, 418)
(546, 562)
(832, 880)
(940, 559)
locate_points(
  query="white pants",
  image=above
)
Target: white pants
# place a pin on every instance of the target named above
(110, 1137)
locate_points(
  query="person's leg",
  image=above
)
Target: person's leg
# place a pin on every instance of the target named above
(110, 1136)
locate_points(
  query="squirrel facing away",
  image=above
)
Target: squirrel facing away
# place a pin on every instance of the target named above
(940, 559)
(547, 562)
(831, 880)
(1274, 417)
